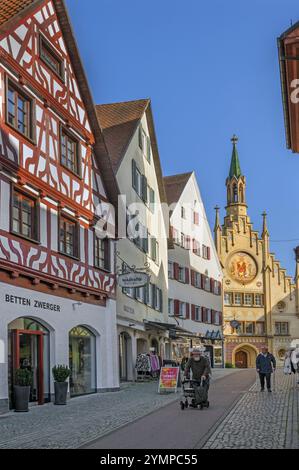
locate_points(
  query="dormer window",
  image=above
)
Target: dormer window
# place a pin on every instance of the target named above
(51, 58)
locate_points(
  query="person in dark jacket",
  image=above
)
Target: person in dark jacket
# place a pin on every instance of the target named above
(265, 365)
(200, 367)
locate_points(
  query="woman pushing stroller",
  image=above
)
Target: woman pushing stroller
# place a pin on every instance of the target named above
(201, 370)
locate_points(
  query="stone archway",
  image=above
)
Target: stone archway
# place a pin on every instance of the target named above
(244, 356)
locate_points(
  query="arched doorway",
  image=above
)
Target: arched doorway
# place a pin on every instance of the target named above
(82, 361)
(244, 356)
(29, 348)
(124, 356)
(241, 360)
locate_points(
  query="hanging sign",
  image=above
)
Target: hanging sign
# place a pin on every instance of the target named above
(234, 324)
(133, 279)
(169, 379)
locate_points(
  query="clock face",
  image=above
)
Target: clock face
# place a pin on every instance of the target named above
(242, 267)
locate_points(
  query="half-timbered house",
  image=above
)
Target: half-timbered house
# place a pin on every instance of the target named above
(57, 287)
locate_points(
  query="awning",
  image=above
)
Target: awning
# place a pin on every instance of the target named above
(175, 331)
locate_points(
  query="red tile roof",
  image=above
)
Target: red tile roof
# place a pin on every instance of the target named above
(119, 122)
(10, 8)
(174, 186)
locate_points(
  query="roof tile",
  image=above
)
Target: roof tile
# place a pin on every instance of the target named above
(10, 8)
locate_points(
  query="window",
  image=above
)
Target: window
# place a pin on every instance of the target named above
(183, 212)
(102, 253)
(139, 183)
(258, 300)
(248, 299)
(19, 110)
(207, 284)
(24, 216)
(205, 252)
(197, 280)
(50, 57)
(154, 249)
(68, 237)
(170, 270)
(196, 247)
(281, 328)
(183, 240)
(196, 218)
(144, 144)
(182, 309)
(227, 298)
(198, 313)
(170, 307)
(260, 328)
(249, 328)
(151, 199)
(69, 152)
(238, 299)
(129, 291)
(208, 315)
(182, 274)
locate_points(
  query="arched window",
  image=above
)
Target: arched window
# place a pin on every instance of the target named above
(241, 193)
(235, 193)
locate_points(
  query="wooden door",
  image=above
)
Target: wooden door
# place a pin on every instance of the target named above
(241, 360)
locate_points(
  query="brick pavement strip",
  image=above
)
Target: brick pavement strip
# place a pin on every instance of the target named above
(262, 420)
(84, 419)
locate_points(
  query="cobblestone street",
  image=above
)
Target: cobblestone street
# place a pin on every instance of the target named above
(84, 418)
(262, 420)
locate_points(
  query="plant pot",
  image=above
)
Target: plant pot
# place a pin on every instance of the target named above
(21, 398)
(60, 393)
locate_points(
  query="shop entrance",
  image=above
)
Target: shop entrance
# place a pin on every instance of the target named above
(28, 349)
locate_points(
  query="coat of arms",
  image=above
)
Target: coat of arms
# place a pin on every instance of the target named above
(242, 267)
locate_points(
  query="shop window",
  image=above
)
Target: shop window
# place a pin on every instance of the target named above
(82, 360)
(68, 237)
(19, 110)
(24, 216)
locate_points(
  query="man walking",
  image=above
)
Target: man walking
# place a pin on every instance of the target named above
(200, 367)
(265, 365)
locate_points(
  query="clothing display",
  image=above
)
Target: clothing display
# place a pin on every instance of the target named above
(287, 367)
(143, 363)
(155, 363)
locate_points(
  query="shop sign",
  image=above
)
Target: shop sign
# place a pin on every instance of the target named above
(132, 279)
(168, 379)
(27, 302)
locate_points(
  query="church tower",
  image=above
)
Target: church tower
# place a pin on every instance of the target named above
(259, 298)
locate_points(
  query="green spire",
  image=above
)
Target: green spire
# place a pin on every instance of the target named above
(235, 168)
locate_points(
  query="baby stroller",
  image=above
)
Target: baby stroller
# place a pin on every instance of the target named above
(188, 396)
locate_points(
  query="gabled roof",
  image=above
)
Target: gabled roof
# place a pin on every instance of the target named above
(119, 122)
(175, 185)
(14, 10)
(11, 8)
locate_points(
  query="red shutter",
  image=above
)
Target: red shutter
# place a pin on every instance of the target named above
(203, 281)
(193, 312)
(204, 314)
(176, 308)
(220, 318)
(219, 288)
(192, 278)
(187, 276)
(208, 252)
(187, 310)
(176, 271)
(213, 316)
(196, 218)
(212, 285)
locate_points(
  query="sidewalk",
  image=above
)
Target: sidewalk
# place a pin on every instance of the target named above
(84, 419)
(262, 420)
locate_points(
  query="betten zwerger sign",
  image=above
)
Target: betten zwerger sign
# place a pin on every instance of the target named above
(133, 279)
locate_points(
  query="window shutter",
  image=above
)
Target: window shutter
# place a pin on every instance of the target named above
(204, 314)
(144, 189)
(187, 311)
(140, 138)
(176, 307)
(196, 218)
(176, 271)
(220, 318)
(212, 285)
(213, 317)
(161, 300)
(208, 252)
(148, 150)
(107, 254)
(193, 312)
(187, 276)
(192, 277)
(203, 278)
(219, 288)
(134, 176)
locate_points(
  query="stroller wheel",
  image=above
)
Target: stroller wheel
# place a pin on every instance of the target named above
(186, 404)
(182, 405)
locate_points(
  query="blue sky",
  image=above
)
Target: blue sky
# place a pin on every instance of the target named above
(211, 70)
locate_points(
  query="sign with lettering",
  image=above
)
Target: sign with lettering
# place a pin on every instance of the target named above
(26, 302)
(169, 379)
(133, 279)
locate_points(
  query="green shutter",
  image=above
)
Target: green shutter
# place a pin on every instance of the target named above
(134, 175)
(140, 137)
(144, 189)
(148, 150)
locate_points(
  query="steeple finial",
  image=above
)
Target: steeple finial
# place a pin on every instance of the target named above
(235, 168)
(217, 219)
(265, 228)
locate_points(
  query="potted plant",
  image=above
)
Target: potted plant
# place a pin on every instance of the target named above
(60, 374)
(22, 384)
